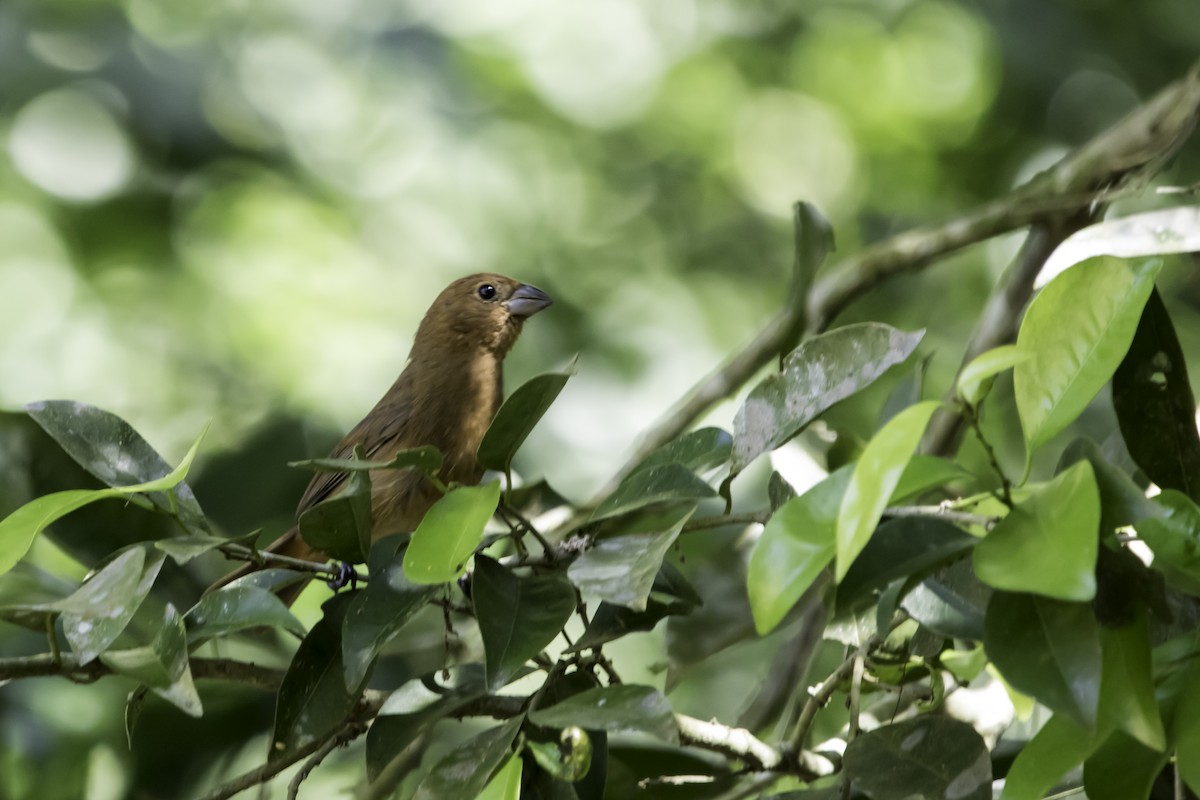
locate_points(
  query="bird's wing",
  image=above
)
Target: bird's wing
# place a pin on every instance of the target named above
(380, 433)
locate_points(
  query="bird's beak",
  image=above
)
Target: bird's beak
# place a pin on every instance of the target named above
(527, 300)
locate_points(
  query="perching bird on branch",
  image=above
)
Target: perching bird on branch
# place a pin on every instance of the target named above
(446, 396)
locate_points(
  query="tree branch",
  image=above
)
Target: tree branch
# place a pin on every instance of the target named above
(1128, 153)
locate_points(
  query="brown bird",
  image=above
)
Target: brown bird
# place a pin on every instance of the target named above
(446, 396)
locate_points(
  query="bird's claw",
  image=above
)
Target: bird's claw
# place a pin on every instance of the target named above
(345, 575)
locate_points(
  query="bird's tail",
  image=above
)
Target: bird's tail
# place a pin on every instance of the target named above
(290, 544)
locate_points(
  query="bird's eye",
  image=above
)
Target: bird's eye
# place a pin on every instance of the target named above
(487, 291)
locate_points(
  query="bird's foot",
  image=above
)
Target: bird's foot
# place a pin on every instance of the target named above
(345, 576)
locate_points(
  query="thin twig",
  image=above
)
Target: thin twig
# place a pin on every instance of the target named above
(312, 763)
(940, 512)
(266, 772)
(243, 553)
(721, 520)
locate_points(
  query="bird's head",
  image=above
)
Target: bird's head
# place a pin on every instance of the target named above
(481, 311)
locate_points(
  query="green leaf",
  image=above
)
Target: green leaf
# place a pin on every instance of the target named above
(467, 769)
(1127, 699)
(796, 544)
(876, 475)
(506, 785)
(902, 548)
(951, 602)
(162, 665)
(821, 371)
(110, 449)
(237, 608)
(927, 472)
(381, 610)
(654, 484)
(183, 549)
(517, 616)
(516, 419)
(1122, 768)
(1048, 543)
(1175, 540)
(976, 378)
(1185, 730)
(28, 594)
(1056, 749)
(18, 529)
(1122, 502)
(313, 697)
(100, 611)
(1077, 331)
(414, 706)
(925, 757)
(1049, 650)
(616, 709)
(621, 569)
(1155, 407)
(426, 458)
(670, 595)
(697, 450)
(340, 526)
(449, 533)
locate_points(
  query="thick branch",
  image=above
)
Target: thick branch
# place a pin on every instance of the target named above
(68, 666)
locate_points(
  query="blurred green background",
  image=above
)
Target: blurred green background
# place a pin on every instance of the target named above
(239, 211)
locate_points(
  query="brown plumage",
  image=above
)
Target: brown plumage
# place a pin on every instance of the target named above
(446, 396)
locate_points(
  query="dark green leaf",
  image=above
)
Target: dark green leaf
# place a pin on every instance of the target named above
(1059, 747)
(110, 449)
(183, 549)
(449, 533)
(1047, 649)
(1077, 331)
(902, 548)
(779, 491)
(797, 543)
(413, 707)
(340, 526)
(929, 756)
(951, 602)
(621, 569)
(467, 769)
(671, 594)
(1048, 543)
(379, 611)
(820, 372)
(1155, 407)
(313, 698)
(1122, 769)
(697, 450)
(162, 665)
(517, 418)
(653, 485)
(426, 458)
(534, 499)
(517, 616)
(95, 615)
(876, 475)
(1127, 699)
(1122, 502)
(626, 707)
(236, 608)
